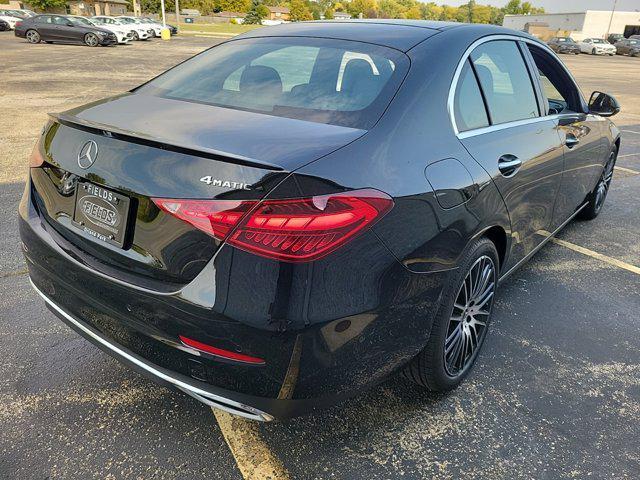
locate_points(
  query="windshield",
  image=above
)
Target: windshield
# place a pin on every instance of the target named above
(127, 20)
(566, 39)
(320, 80)
(634, 42)
(597, 40)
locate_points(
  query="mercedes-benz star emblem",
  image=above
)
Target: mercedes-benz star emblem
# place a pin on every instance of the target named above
(88, 154)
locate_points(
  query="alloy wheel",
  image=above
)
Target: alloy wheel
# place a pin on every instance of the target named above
(470, 317)
(91, 40)
(33, 36)
(605, 181)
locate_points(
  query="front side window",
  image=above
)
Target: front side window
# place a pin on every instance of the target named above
(505, 81)
(322, 80)
(469, 109)
(561, 93)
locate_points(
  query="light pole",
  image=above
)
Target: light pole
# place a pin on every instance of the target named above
(611, 19)
(164, 20)
(177, 13)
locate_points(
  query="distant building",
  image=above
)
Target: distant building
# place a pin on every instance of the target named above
(591, 23)
(279, 13)
(79, 7)
(341, 16)
(97, 7)
(228, 16)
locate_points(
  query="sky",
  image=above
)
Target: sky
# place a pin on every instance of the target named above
(553, 6)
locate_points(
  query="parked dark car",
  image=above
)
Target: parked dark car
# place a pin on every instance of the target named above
(615, 38)
(306, 209)
(4, 26)
(63, 29)
(628, 46)
(564, 45)
(172, 29)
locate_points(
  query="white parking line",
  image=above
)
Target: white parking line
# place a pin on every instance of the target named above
(627, 170)
(630, 131)
(629, 155)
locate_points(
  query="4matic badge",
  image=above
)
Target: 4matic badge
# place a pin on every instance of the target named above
(216, 182)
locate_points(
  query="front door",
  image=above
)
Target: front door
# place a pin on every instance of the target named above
(582, 135)
(520, 148)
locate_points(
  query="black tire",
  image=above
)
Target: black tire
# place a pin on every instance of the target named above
(430, 369)
(593, 51)
(91, 40)
(599, 194)
(32, 36)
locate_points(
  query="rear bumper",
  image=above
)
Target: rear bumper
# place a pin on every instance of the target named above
(217, 398)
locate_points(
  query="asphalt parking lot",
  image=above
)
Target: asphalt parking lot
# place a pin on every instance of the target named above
(556, 392)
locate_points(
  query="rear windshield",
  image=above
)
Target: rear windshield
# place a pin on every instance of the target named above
(328, 81)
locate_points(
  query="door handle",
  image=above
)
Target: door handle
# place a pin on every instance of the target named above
(509, 165)
(571, 140)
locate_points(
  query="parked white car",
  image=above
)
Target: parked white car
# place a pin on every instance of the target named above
(124, 35)
(136, 21)
(596, 46)
(10, 20)
(157, 27)
(139, 31)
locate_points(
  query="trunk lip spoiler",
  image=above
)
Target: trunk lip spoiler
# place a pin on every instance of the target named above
(73, 121)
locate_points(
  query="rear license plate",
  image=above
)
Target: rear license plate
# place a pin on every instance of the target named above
(101, 213)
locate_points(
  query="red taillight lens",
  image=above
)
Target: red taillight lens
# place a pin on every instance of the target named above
(36, 159)
(18, 24)
(219, 352)
(294, 230)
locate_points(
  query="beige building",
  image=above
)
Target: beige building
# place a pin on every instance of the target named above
(79, 7)
(279, 13)
(97, 7)
(591, 23)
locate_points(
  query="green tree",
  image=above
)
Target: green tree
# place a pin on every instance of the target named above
(234, 5)
(256, 14)
(46, 4)
(299, 11)
(328, 13)
(430, 11)
(391, 9)
(367, 8)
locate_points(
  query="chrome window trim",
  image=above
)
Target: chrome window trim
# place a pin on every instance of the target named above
(500, 126)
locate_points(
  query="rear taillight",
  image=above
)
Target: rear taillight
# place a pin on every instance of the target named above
(294, 230)
(36, 159)
(17, 24)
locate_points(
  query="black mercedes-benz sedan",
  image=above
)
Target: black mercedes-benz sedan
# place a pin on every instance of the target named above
(297, 213)
(63, 29)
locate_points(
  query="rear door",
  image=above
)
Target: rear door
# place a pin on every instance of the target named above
(519, 148)
(46, 27)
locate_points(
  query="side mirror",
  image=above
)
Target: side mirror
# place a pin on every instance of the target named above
(70, 24)
(603, 104)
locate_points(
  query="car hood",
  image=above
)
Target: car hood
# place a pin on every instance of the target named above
(251, 137)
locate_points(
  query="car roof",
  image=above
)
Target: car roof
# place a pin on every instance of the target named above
(399, 34)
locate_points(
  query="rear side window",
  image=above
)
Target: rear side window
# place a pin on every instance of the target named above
(505, 81)
(321, 80)
(469, 107)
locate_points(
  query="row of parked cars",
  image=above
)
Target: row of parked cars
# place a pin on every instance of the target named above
(92, 31)
(597, 46)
